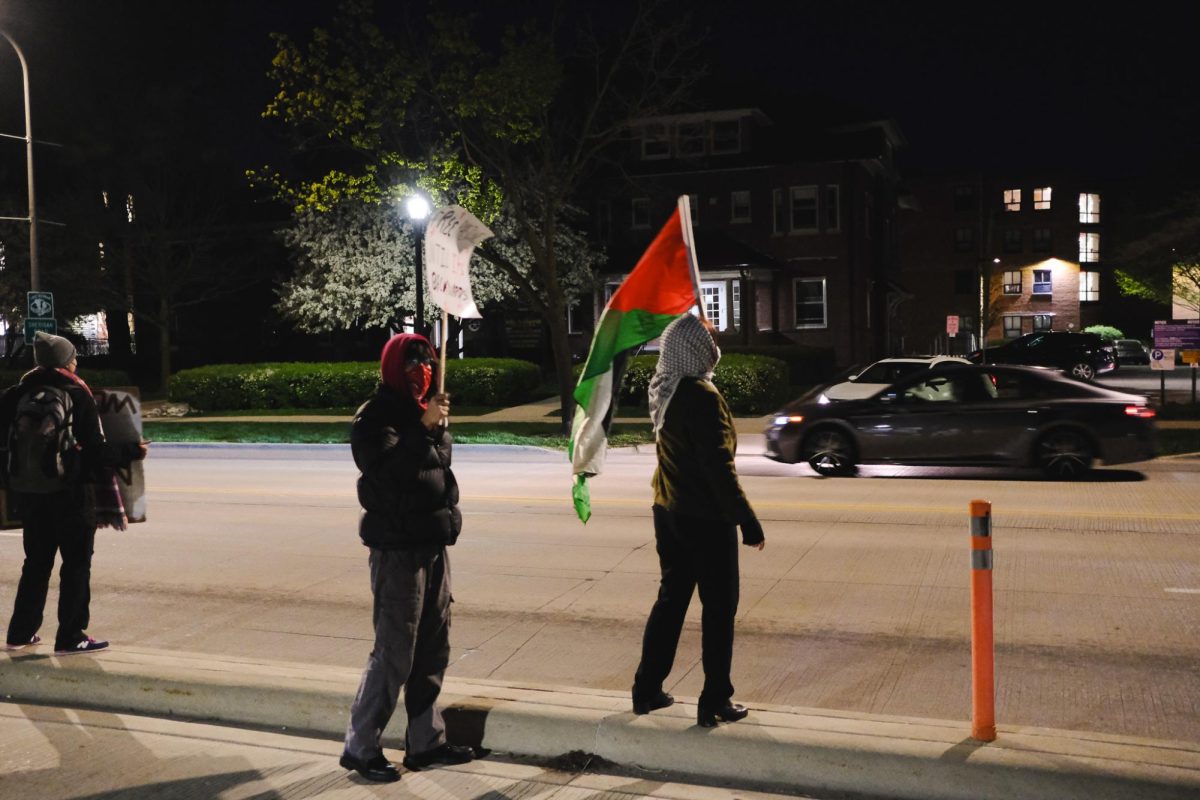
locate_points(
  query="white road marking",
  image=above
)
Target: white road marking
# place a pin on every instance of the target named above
(1182, 591)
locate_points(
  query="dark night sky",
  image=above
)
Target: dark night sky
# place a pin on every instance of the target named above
(1068, 85)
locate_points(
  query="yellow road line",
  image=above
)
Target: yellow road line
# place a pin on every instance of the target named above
(880, 508)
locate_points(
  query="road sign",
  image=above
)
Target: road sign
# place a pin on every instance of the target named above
(32, 326)
(952, 325)
(1177, 335)
(40, 305)
(1190, 356)
(1162, 359)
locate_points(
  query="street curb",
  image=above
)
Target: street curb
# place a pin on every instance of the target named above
(809, 750)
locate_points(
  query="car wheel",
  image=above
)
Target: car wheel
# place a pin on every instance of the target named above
(829, 452)
(1064, 454)
(1083, 371)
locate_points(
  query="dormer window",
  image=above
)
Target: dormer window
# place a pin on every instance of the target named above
(727, 136)
(656, 142)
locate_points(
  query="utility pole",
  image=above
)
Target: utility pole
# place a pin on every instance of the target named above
(34, 276)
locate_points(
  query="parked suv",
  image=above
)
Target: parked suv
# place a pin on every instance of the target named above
(1131, 351)
(1081, 355)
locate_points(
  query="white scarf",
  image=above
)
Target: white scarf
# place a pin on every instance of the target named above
(686, 350)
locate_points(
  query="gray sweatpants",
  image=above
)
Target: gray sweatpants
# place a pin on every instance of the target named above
(412, 649)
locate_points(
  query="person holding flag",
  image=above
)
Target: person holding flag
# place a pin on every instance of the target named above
(698, 503)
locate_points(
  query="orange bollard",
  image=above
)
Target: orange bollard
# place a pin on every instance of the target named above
(983, 672)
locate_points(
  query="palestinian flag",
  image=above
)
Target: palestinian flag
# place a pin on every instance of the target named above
(664, 284)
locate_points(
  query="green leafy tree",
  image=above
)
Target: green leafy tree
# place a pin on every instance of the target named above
(489, 111)
(1161, 259)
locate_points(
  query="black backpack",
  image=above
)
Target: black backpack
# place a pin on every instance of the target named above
(40, 443)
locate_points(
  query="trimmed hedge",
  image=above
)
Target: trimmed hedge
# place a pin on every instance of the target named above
(806, 366)
(750, 383)
(92, 377)
(229, 387)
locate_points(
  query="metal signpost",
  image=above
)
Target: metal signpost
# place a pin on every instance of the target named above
(1169, 336)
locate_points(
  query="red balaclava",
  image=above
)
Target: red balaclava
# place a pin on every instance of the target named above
(408, 379)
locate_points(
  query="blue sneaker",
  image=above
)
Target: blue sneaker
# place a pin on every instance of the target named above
(33, 640)
(85, 645)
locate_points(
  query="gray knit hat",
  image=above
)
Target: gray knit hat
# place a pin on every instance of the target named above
(52, 351)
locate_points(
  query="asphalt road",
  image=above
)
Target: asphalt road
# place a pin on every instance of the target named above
(859, 601)
(1139, 379)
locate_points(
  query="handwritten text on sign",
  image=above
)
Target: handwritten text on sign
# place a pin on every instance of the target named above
(450, 238)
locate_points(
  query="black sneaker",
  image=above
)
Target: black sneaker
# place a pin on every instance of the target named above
(660, 700)
(377, 769)
(445, 754)
(33, 640)
(85, 645)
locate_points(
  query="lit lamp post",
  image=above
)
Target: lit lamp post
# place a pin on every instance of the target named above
(417, 208)
(34, 277)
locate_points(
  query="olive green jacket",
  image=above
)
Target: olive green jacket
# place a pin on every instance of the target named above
(696, 444)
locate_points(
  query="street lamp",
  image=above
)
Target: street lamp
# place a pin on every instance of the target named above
(417, 208)
(34, 278)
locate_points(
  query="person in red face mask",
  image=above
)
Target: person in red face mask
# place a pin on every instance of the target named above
(410, 517)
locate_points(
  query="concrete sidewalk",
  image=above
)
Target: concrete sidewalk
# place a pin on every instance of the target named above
(786, 749)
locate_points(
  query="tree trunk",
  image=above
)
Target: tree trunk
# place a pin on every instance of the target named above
(560, 345)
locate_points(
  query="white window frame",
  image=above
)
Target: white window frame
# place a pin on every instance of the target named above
(1089, 208)
(1089, 248)
(637, 203)
(1044, 286)
(1011, 286)
(796, 282)
(718, 149)
(804, 193)
(831, 208)
(1049, 322)
(1089, 286)
(716, 309)
(1012, 199)
(653, 135)
(1041, 198)
(735, 302)
(736, 204)
(1012, 326)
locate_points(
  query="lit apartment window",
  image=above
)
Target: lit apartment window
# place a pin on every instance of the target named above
(1089, 248)
(779, 208)
(641, 213)
(1043, 241)
(964, 198)
(1089, 208)
(739, 207)
(1012, 199)
(727, 136)
(804, 209)
(1012, 326)
(1041, 282)
(832, 209)
(713, 293)
(810, 302)
(1012, 282)
(964, 239)
(1041, 322)
(656, 142)
(1089, 287)
(1012, 240)
(1041, 199)
(690, 139)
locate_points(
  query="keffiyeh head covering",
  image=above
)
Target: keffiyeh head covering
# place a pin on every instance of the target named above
(686, 350)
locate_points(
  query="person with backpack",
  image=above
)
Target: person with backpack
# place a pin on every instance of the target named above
(59, 470)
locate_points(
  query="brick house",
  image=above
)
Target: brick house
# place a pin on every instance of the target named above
(794, 224)
(1034, 241)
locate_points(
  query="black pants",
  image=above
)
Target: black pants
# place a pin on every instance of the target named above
(691, 552)
(412, 649)
(55, 523)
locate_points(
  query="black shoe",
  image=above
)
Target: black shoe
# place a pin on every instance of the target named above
(85, 645)
(443, 754)
(730, 712)
(660, 700)
(377, 769)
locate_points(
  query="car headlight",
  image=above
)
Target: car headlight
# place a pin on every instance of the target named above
(793, 419)
(780, 421)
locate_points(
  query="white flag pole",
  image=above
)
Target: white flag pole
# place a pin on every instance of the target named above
(445, 336)
(689, 242)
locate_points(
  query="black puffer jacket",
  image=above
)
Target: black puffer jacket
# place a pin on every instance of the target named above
(407, 491)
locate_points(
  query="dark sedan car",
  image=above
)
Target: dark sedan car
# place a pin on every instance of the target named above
(1131, 351)
(1081, 355)
(972, 415)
